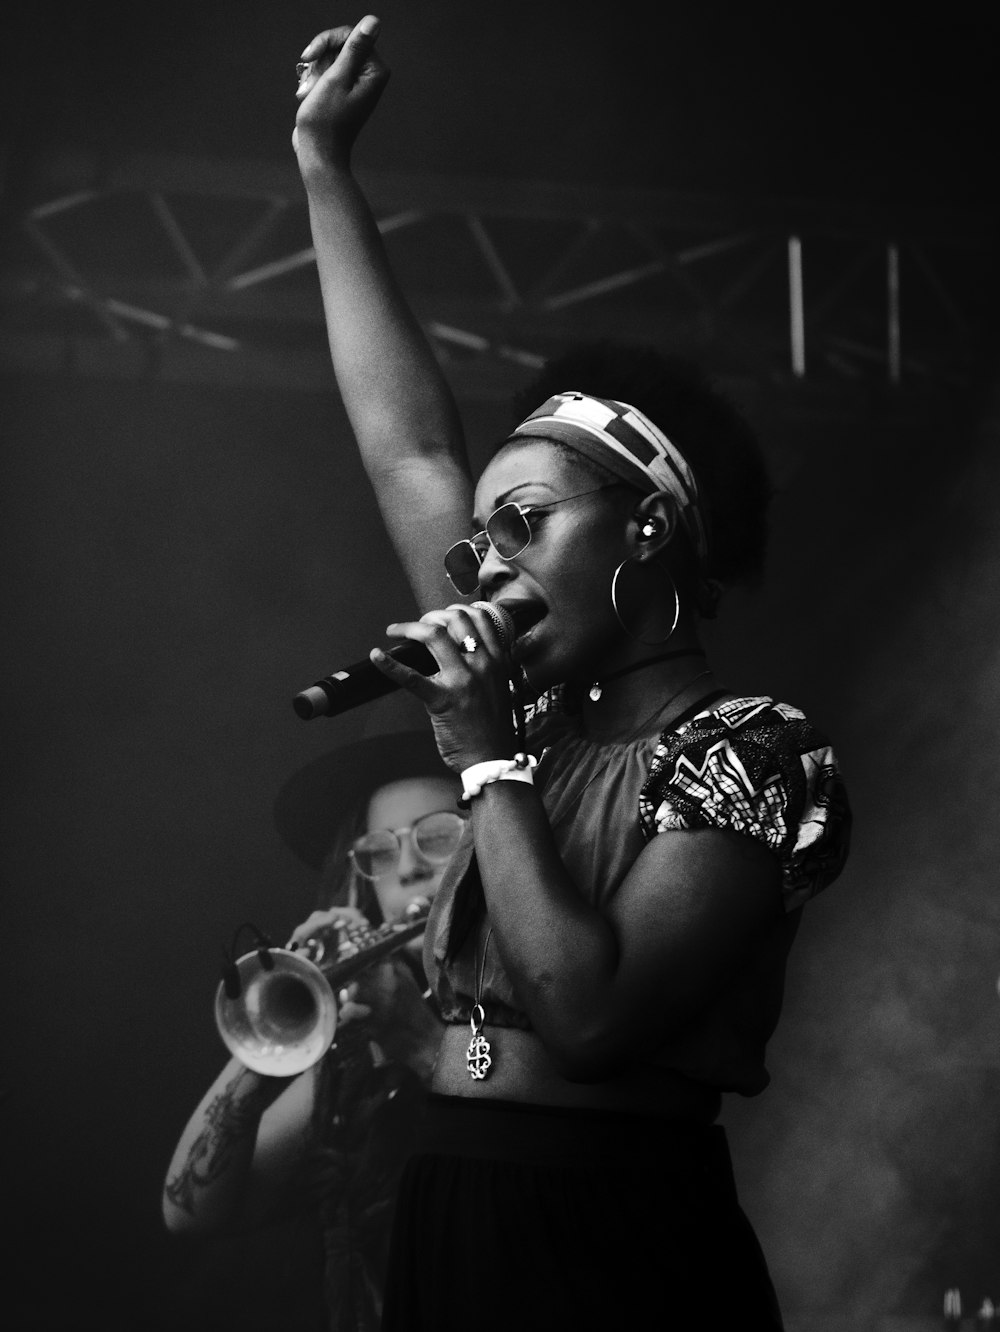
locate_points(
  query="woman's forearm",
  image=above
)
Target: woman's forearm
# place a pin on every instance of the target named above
(600, 986)
(559, 952)
(209, 1173)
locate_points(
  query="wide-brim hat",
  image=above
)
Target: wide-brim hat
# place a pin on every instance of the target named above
(310, 806)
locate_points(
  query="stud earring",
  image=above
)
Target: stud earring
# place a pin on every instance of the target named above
(650, 527)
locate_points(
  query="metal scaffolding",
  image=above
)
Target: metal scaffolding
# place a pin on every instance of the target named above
(203, 270)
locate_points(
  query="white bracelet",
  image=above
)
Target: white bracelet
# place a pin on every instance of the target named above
(516, 769)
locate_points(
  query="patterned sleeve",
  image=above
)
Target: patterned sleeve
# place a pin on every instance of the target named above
(755, 767)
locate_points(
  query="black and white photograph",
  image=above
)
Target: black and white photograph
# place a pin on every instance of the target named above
(501, 709)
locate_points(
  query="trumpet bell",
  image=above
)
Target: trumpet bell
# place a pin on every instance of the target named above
(284, 1017)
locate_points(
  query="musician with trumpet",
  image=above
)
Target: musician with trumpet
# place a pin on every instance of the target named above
(319, 1121)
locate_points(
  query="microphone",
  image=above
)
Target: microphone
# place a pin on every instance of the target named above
(363, 682)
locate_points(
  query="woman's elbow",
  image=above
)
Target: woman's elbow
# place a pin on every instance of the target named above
(176, 1220)
(192, 1222)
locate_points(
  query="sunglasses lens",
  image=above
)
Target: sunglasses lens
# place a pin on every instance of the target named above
(436, 836)
(508, 529)
(375, 854)
(461, 564)
(462, 567)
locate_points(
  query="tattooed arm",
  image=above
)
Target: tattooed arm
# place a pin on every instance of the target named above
(234, 1164)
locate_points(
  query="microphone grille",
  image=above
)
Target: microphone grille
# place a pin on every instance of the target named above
(502, 619)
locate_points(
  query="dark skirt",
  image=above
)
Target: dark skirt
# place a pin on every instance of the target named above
(513, 1218)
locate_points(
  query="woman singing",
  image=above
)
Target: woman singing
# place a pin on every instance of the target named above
(608, 947)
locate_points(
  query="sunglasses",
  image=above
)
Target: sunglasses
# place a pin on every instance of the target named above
(433, 837)
(507, 530)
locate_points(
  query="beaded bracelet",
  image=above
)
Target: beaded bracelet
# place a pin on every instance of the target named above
(516, 769)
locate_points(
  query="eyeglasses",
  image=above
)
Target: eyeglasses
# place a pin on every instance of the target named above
(507, 530)
(434, 838)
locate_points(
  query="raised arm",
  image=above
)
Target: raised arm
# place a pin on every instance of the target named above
(399, 404)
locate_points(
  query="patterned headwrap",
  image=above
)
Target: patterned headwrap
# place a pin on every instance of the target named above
(627, 443)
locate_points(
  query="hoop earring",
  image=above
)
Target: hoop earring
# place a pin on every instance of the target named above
(616, 592)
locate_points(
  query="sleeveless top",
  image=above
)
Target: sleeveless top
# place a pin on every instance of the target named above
(750, 765)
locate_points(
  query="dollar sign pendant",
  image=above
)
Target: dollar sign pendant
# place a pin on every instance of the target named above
(477, 1057)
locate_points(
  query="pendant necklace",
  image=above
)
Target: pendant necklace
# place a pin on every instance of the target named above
(597, 688)
(477, 1058)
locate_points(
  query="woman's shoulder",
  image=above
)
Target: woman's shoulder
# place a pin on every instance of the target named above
(755, 765)
(746, 740)
(757, 715)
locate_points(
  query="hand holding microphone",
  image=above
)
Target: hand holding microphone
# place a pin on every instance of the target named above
(363, 682)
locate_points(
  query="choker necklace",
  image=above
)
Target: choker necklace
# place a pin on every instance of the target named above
(477, 1057)
(597, 688)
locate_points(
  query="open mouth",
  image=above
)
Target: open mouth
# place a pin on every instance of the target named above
(526, 615)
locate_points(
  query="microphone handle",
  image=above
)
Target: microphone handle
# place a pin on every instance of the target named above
(360, 683)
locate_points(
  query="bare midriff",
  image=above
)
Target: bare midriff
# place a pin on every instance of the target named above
(522, 1070)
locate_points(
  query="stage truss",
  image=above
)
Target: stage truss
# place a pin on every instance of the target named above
(203, 271)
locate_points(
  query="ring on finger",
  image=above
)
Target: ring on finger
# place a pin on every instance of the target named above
(469, 644)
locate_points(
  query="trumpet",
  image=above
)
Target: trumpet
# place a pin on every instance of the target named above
(277, 1011)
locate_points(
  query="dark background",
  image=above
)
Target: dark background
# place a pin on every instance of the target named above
(182, 555)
